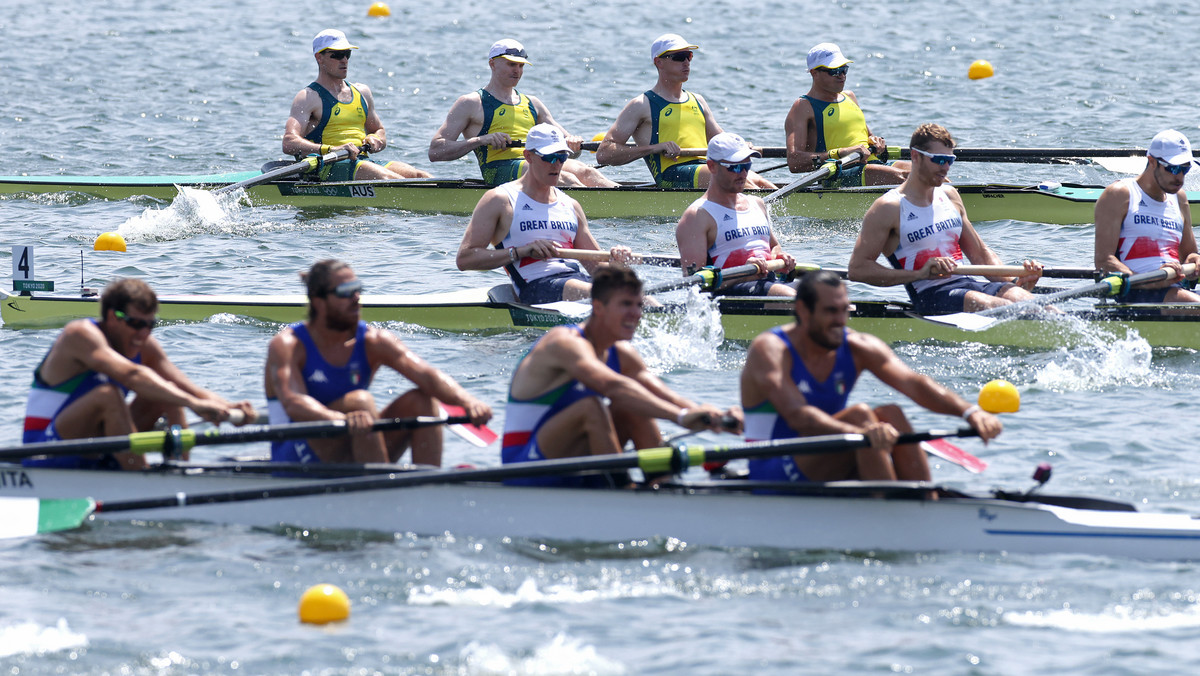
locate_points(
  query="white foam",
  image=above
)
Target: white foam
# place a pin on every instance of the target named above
(192, 212)
(563, 655)
(527, 593)
(685, 339)
(29, 638)
(1097, 362)
(1118, 619)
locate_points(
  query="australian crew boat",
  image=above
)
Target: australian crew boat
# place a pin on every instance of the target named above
(839, 516)
(495, 310)
(1045, 203)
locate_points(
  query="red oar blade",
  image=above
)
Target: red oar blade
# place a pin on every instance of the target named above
(951, 453)
(479, 435)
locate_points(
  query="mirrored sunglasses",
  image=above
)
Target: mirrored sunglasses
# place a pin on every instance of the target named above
(346, 289)
(938, 159)
(135, 323)
(1175, 169)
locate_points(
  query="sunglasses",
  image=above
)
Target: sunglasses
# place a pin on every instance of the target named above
(836, 72)
(1175, 169)
(938, 159)
(513, 51)
(678, 57)
(554, 158)
(346, 289)
(339, 55)
(134, 322)
(737, 168)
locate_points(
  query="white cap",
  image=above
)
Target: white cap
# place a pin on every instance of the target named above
(728, 147)
(1171, 147)
(669, 42)
(331, 38)
(510, 50)
(826, 55)
(545, 139)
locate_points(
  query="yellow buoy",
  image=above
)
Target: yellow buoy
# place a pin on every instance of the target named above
(1000, 396)
(109, 241)
(980, 69)
(599, 137)
(379, 9)
(324, 603)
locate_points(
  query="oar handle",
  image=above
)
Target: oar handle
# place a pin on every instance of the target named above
(604, 256)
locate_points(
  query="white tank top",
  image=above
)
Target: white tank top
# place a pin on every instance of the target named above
(927, 232)
(740, 234)
(1151, 231)
(533, 220)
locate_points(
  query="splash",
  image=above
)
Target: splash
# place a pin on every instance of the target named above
(688, 336)
(192, 212)
(1098, 359)
(1119, 619)
(28, 638)
(563, 655)
(529, 593)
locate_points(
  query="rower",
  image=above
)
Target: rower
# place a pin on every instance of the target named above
(527, 221)
(491, 118)
(797, 382)
(923, 229)
(79, 387)
(321, 369)
(331, 113)
(826, 124)
(726, 227)
(665, 120)
(557, 400)
(1145, 223)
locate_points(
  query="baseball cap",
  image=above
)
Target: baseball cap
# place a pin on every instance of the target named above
(510, 50)
(331, 38)
(826, 55)
(1171, 147)
(729, 147)
(545, 139)
(669, 42)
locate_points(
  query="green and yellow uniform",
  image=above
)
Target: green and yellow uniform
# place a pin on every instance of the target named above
(841, 124)
(341, 123)
(502, 166)
(685, 124)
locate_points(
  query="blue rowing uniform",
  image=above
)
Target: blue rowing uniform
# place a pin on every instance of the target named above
(764, 422)
(325, 383)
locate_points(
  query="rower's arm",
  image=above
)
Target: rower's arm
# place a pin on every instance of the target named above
(692, 237)
(878, 228)
(475, 252)
(285, 381)
(303, 107)
(1111, 208)
(154, 357)
(577, 357)
(446, 144)
(584, 239)
(613, 150)
(796, 130)
(384, 348)
(1187, 239)
(374, 124)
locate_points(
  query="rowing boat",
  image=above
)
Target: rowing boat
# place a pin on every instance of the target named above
(495, 310)
(1046, 203)
(854, 516)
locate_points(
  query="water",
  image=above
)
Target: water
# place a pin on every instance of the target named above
(126, 87)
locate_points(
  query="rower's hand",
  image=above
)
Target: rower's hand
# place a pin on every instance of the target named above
(878, 145)
(789, 263)
(703, 417)
(862, 150)
(212, 410)
(880, 435)
(1194, 261)
(575, 144)
(349, 148)
(987, 425)
(1033, 273)
(620, 254)
(497, 140)
(479, 412)
(938, 267)
(540, 249)
(669, 149)
(241, 413)
(372, 143)
(360, 422)
(760, 261)
(733, 420)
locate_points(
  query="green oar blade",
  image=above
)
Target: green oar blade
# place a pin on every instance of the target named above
(22, 517)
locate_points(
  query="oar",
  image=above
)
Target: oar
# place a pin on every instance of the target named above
(604, 256)
(592, 146)
(305, 164)
(1111, 285)
(829, 169)
(711, 278)
(29, 516)
(177, 439)
(1018, 270)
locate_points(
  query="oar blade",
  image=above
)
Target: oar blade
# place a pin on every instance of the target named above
(478, 435)
(23, 517)
(947, 451)
(967, 321)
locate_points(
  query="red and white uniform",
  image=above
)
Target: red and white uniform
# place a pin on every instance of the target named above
(533, 220)
(740, 234)
(1151, 231)
(928, 232)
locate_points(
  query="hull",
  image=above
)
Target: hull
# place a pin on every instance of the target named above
(699, 515)
(741, 319)
(1063, 204)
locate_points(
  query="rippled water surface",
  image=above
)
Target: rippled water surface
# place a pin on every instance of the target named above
(146, 88)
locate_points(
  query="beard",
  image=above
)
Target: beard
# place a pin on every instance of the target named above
(340, 322)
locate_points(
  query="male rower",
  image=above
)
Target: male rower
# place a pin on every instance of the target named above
(321, 369)
(923, 229)
(529, 221)
(331, 113)
(490, 119)
(826, 124)
(797, 382)
(584, 390)
(79, 389)
(726, 227)
(1145, 223)
(665, 121)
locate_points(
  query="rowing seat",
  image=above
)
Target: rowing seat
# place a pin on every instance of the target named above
(275, 164)
(502, 293)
